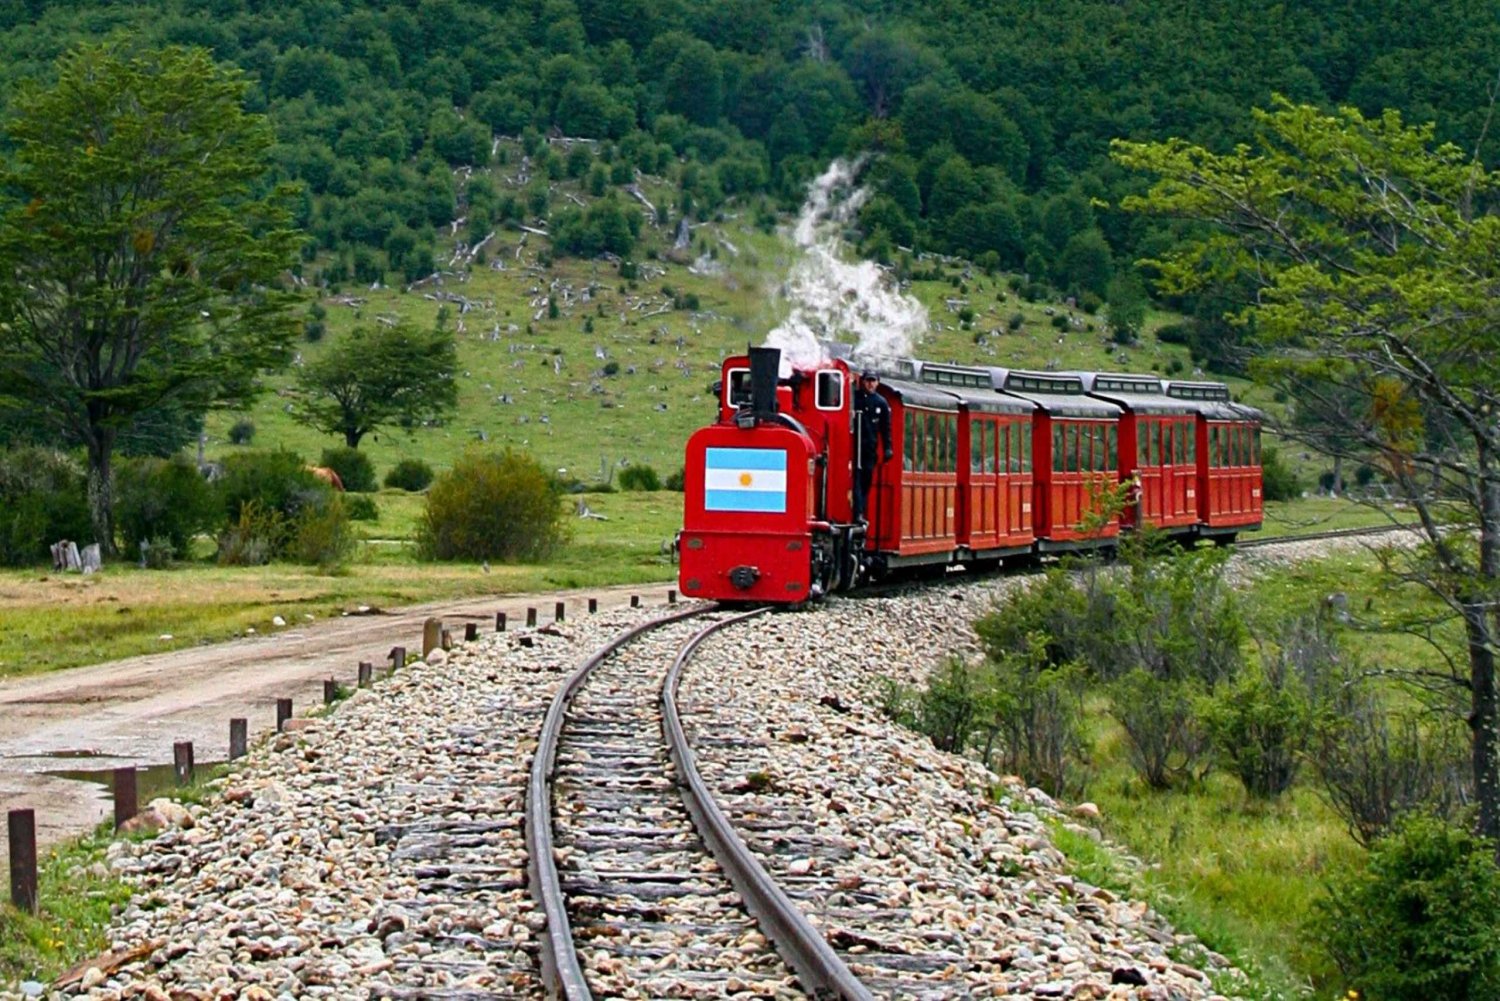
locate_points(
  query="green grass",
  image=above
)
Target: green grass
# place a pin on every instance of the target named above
(1323, 514)
(50, 621)
(76, 895)
(75, 898)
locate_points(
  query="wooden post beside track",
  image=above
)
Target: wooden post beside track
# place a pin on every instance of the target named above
(126, 797)
(239, 737)
(21, 826)
(182, 762)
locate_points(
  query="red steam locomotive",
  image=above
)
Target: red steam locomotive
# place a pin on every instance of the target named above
(989, 464)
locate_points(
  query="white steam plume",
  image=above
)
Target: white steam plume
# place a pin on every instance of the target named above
(832, 299)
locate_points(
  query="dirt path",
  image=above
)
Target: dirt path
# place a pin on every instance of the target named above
(131, 711)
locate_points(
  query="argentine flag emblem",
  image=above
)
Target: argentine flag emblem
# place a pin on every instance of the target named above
(744, 479)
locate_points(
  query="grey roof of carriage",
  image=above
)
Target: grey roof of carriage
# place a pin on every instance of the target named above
(1211, 400)
(1060, 394)
(1140, 394)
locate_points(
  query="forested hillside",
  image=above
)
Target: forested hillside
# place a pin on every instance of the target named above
(994, 117)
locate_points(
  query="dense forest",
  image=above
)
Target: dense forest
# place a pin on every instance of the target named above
(992, 120)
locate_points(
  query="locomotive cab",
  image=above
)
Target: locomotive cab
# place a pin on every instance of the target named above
(763, 482)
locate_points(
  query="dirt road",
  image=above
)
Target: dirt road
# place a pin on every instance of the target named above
(131, 711)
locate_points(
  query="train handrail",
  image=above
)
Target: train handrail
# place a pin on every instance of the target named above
(822, 972)
(562, 974)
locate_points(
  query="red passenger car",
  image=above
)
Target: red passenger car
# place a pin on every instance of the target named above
(1229, 474)
(1158, 450)
(995, 479)
(1075, 442)
(915, 499)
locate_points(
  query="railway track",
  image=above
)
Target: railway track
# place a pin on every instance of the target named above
(646, 889)
(1334, 533)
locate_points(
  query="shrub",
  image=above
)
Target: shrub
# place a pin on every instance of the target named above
(676, 480)
(43, 498)
(1279, 481)
(264, 495)
(493, 506)
(1175, 366)
(409, 474)
(945, 708)
(1060, 322)
(1015, 321)
(1376, 767)
(354, 467)
(1031, 721)
(639, 478)
(253, 537)
(1259, 730)
(1173, 333)
(361, 507)
(321, 535)
(1181, 617)
(1422, 918)
(1069, 620)
(242, 432)
(1165, 739)
(164, 503)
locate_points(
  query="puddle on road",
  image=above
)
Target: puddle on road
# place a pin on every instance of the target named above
(151, 780)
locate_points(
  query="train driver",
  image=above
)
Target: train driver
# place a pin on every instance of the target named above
(874, 429)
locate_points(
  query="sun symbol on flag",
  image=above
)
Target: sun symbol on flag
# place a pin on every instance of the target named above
(745, 479)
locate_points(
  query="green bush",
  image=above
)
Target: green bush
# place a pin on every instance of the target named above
(492, 506)
(321, 535)
(164, 503)
(355, 470)
(1031, 720)
(1165, 738)
(1259, 729)
(639, 478)
(1279, 481)
(242, 432)
(676, 480)
(361, 507)
(409, 474)
(43, 498)
(253, 538)
(1421, 920)
(264, 496)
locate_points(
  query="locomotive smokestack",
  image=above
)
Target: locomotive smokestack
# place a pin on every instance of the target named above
(765, 365)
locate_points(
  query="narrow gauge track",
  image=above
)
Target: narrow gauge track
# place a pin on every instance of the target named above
(1333, 533)
(635, 904)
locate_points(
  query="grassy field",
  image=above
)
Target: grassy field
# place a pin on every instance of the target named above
(539, 383)
(50, 621)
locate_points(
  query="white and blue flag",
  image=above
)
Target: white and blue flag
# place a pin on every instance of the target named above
(744, 479)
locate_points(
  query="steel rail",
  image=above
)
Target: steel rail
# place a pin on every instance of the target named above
(822, 973)
(562, 974)
(1332, 533)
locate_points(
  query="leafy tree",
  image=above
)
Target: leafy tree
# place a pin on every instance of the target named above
(377, 376)
(694, 82)
(138, 267)
(1371, 251)
(1126, 298)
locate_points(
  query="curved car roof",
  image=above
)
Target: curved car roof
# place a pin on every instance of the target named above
(1140, 394)
(972, 385)
(1060, 394)
(919, 395)
(1211, 400)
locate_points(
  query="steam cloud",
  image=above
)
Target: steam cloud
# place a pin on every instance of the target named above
(832, 299)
